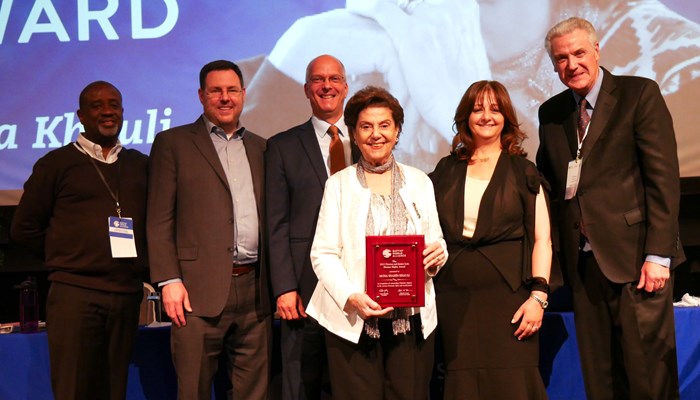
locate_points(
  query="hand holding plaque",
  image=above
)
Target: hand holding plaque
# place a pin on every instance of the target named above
(395, 275)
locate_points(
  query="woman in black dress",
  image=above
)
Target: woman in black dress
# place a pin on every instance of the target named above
(492, 293)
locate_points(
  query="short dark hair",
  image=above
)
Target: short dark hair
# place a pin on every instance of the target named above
(372, 96)
(83, 94)
(511, 135)
(219, 65)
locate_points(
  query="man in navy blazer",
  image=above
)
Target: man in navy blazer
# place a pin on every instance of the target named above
(613, 167)
(297, 165)
(206, 243)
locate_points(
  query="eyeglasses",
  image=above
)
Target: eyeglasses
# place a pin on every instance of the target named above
(217, 93)
(334, 79)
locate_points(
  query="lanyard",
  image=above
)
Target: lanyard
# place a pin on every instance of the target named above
(115, 196)
(580, 142)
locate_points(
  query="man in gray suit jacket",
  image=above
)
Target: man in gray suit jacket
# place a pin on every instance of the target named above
(205, 224)
(297, 164)
(608, 148)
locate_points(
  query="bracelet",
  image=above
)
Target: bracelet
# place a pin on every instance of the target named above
(543, 303)
(538, 283)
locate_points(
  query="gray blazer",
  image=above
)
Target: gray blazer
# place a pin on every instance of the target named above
(190, 217)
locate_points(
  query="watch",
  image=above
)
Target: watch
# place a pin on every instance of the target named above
(543, 303)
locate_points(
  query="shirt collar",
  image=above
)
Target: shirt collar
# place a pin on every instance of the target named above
(321, 126)
(237, 134)
(94, 150)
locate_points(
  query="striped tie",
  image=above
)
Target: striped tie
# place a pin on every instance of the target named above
(337, 154)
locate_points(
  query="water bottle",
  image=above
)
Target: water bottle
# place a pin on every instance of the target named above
(28, 306)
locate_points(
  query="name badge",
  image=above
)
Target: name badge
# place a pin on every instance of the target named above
(121, 237)
(572, 176)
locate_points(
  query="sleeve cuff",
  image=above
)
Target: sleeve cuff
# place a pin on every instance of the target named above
(168, 282)
(663, 261)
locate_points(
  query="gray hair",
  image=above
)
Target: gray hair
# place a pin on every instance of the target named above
(567, 26)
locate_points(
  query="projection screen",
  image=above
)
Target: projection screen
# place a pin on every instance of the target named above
(426, 52)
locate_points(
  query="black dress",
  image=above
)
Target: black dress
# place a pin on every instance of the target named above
(481, 286)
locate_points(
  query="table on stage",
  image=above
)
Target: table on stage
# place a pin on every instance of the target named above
(24, 361)
(561, 369)
(24, 366)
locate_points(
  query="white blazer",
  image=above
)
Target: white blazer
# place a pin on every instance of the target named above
(338, 250)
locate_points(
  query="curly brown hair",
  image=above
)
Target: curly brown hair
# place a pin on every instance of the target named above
(372, 96)
(511, 136)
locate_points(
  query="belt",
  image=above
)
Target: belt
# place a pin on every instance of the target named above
(242, 269)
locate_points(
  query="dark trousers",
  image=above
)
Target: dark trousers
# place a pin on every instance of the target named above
(91, 334)
(304, 360)
(238, 333)
(391, 367)
(626, 337)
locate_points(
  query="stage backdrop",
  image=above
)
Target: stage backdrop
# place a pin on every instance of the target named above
(425, 51)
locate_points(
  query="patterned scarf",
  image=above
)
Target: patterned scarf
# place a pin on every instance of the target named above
(398, 221)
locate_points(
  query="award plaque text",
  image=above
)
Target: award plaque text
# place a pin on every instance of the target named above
(395, 274)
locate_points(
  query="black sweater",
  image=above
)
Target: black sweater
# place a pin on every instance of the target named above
(63, 216)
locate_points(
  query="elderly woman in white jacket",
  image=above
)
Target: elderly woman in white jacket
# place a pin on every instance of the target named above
(374, 352)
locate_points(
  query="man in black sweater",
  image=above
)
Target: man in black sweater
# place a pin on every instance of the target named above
(83, 209)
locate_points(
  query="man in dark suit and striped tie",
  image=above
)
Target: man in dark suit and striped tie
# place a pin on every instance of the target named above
(297, 163)
(608, 148)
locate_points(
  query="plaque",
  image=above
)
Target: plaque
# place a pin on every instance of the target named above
(395, 274)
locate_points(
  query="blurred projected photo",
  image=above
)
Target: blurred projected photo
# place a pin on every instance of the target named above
(427, 52)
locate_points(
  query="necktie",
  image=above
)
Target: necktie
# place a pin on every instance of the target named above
(337, 154)
(583, 118)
